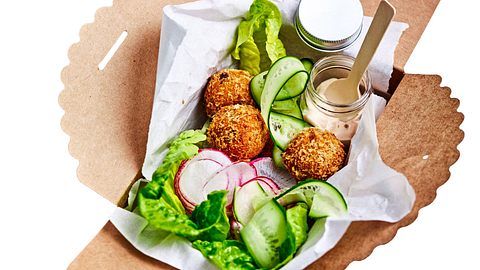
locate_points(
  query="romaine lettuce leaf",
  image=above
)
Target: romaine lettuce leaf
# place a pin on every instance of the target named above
(250, 56)
(161, 187)
(229, 254)
(162, 215)
(258, 45)
(211, 217)
(209, 220)
(158, 203)
(297, 219)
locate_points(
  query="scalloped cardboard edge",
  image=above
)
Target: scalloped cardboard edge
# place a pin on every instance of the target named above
(107, 114)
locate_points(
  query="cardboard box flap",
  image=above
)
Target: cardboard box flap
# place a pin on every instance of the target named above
(423, 152)
(107, 114)
(110, 250)
(416, 13)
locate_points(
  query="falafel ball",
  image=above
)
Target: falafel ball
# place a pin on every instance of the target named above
(227, 87)
(239, 131)
(314, 153)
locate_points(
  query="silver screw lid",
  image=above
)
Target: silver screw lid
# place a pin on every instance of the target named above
(329, 25)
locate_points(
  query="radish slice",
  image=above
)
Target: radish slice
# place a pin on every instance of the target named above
(272, 185)
(266, 183)
(191, 178)
(245, 199)
(266, 167)
(218, 182)
(218, 156)
(229, 177)
(187, 204)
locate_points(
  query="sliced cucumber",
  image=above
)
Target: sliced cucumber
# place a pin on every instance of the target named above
(323, 199)
(323, 206)
(244, 201)
(307, 63)
(283, 128)
(277, 157)
(292, 88)
(290, 73)
(278, 75)
(256, 86)
(288, 107)
(268, 236)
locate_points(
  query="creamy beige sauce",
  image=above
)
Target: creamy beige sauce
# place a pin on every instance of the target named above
(342, 128)
(340, 97)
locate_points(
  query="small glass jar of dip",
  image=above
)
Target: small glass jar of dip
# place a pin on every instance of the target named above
(338, 118)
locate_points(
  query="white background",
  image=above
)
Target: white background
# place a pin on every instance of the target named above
(48, 217)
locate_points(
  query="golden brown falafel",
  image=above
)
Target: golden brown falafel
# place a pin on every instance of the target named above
(314, 153)
(227, 87)
(239, 131)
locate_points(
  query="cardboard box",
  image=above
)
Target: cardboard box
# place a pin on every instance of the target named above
(107, 114)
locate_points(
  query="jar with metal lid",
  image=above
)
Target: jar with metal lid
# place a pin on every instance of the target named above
(329, 25)
(339, 118)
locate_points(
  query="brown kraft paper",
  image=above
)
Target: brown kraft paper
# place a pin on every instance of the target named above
(107, 114)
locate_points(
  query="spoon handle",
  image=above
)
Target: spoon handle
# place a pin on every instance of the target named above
(381, 21)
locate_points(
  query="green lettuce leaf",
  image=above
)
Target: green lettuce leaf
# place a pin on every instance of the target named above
(250, 57)
(162, 215)
(258, 45)
(229, 254)
(297, 219)
(158, 203)
(211, 217)
(161, 187)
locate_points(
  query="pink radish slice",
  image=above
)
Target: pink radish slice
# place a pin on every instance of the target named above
(176, 185)
(266, 167)
(229, 177)
(191, 179)
(268, 181)
(267, 184)
(218, 156)
(248, 198)
(219, 181)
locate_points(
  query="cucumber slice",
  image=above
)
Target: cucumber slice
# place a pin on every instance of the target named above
(256, 86)
(288, 107)
(268, 236)
(307, 63)
(244, 201)
(292, 88)
(283, 128)
(277, 157)
(323, 199)
(323, 206)
(280, 72)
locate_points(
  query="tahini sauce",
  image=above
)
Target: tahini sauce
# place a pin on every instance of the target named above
(344, 130)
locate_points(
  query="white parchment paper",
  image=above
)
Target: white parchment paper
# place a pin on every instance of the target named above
(196, 39)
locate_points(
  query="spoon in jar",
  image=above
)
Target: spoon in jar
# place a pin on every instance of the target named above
(345, 90)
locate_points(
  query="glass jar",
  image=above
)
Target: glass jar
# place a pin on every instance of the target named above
(329, 25)
(338, 118)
